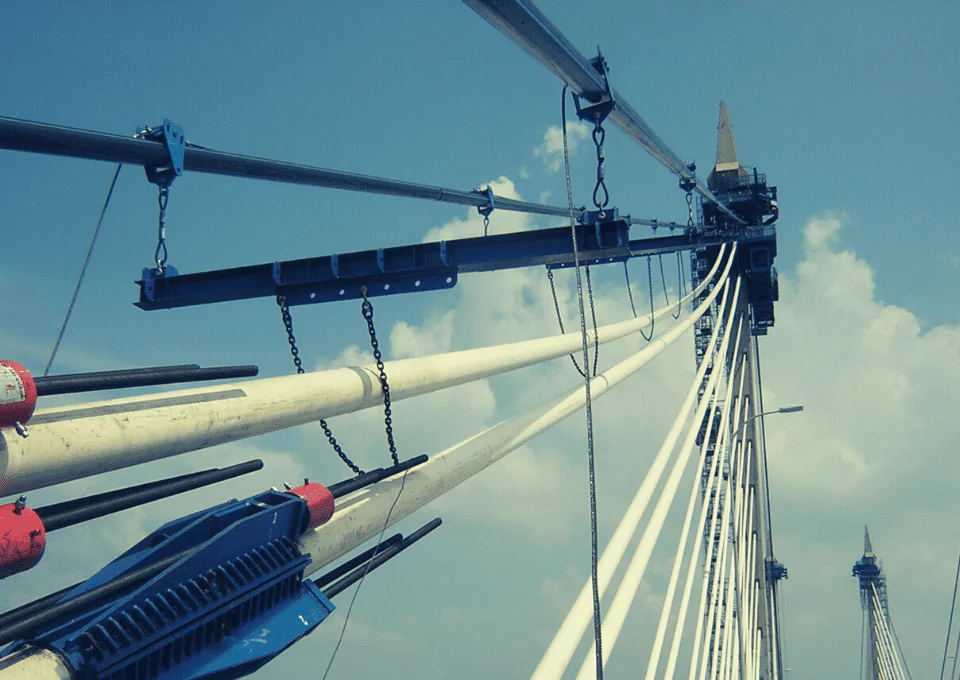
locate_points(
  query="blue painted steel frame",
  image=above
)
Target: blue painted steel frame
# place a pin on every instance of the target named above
(418, 267)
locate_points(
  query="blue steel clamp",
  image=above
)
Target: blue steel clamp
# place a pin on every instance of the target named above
(597, 112)
(173, 137)
(485, 210)
(688, 184)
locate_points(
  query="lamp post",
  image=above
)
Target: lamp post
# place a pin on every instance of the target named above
(782, 409)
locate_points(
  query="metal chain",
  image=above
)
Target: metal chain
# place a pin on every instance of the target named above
(556, 306)
(626, 275)
(367, 310)
(653, 319)
(486, 224)
(160, 254)
(298, 362)
(690, 209)
(599, 136)
(593, 314)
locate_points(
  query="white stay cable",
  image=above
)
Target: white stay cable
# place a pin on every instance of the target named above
(756, 658)
(726, 648)
(711, 639)
(715, 549)
(710, 499)
(885, 637)
(734, 588)
(563, 646)
(746, 591)
(627, 590)
(678, 561)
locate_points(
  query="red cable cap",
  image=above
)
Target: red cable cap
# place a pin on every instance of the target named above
(22, 538)
(319, 501)
(18, 393)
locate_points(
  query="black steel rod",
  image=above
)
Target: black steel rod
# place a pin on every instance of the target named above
(25, 135)
(373, 476)
(355, 562)
(382, 557)
(68, 513)
(21, 622)
(138, 377)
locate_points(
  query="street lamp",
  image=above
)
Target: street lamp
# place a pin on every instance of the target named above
(783, 409)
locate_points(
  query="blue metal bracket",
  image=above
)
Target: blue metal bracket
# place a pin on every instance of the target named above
(233, 598)
(174, 139)
(599, 216)
(688, 184)
(487, 209)
(597, 112)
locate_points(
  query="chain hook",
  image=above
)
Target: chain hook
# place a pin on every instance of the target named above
(160, 254)
(599, 137)
(487, 209)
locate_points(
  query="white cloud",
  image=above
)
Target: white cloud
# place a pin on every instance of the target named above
(551, 149)
(876, 445)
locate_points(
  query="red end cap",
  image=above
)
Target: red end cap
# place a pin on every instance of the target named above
(22, 539)
(319, 501)
(18, 393)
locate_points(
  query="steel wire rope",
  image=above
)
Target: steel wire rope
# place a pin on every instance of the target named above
(83, 272)
(953, 604)
(896, 639)
(353, 599)
(956, 654)
(597, 634)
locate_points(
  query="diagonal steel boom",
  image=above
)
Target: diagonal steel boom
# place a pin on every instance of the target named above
(524, 23)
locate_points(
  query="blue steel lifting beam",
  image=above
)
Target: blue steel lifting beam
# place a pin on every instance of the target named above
(422, 266)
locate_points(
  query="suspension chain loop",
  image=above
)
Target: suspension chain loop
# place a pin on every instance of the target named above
(626, 275)
(556, 306)
(690, 209)
(366, 308)
(599, 136)
(653, 320)
(486, 224)
(593, 314)
(160, 254)
(298, 362)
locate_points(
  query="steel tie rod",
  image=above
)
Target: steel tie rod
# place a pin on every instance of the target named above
(524, 23)
(24, 135)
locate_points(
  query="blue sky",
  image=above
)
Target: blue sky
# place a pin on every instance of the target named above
(849, 108)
